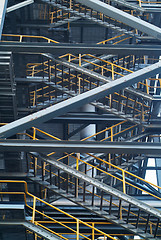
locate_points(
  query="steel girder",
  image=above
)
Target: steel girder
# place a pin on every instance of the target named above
(79, 146)
(19, 5)
(59, 49)
(77, 101)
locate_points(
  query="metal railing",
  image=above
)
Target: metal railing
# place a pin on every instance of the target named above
(83, 192)
(103, 166)
(36, 213)
(21, 37)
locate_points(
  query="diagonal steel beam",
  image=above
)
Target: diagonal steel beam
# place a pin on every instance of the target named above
(19, 5)
(79, 100)
(3, 6)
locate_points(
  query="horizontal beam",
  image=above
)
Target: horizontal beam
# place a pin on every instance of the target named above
(79, 146)
(86, 118)
(59, 49)
(19, 5)
(77, 101)
(154, 129)
(123, 17)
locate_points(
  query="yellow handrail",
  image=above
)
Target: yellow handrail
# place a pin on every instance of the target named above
(106, 200)
(26, 194)
(21, 36)
(105, 162)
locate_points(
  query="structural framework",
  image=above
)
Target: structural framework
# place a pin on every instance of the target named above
(80, 128)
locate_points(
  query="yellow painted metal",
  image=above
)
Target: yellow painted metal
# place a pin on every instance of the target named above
(21, 37)
(34, 211)
(110, 165)
(105, 162)
(35, 166)
(110, 39)
(112, 69)
(34, 99)
(77, 229)
(119, 179)
(80, 60)
(34, 133)
(108, 200)
(93, 224)
(123, 178)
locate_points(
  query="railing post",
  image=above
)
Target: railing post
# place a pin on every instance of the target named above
(112, 67)
(34, 133)
(139, 3)
(79, 85)
(77, 161)
(102, 73)
(80, 60)
(34, 99)
(111, 134)
(77, 229)
(123, 178)
(20, 38)
(33, 211)
(69, 57)
(147, 87)
(93, 231)
(35, 166)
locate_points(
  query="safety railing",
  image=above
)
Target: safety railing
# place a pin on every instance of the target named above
(58, 15)
(134, 106)
(113, 69)
(104, 166)
(33, 204)
(77, 188)
(21, 38)
(72, 5)
(111, 133)
(103, 68)
(87, 12)
(115, 40)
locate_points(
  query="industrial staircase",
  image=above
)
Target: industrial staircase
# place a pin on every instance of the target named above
(97, 197)
(33, 216)
(103, 185)
(102, 163)
(7, 90)
(8, 111)
(78, 10)
(63, 83)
